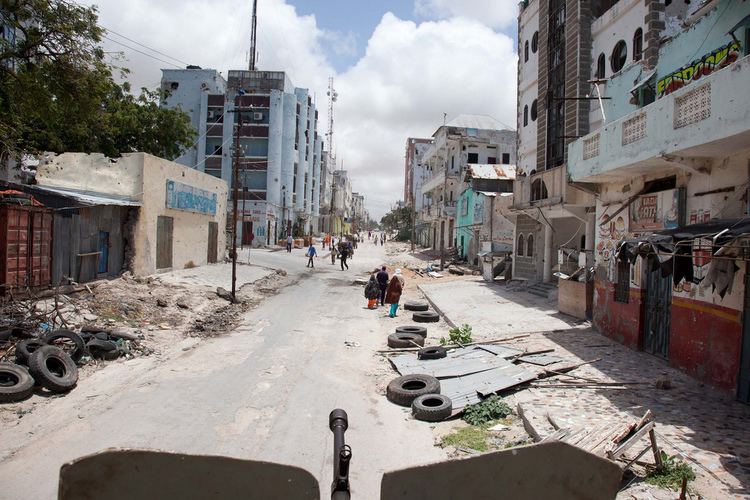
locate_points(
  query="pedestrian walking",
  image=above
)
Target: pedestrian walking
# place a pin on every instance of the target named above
(372, 292)
(311, 253)
(333, 255)
(393, 293)
(382, 278)
(343, 255)
(289, 242)
(349, 250)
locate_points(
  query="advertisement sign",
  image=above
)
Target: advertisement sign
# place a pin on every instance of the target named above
(190, 199)
(655, 211)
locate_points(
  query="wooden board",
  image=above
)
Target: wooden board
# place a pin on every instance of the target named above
(164, 231)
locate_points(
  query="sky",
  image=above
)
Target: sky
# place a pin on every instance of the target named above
(398, 65)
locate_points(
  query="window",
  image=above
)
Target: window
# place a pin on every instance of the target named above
(619, 56)
(530, 246)
(526, 51)
(535, 42)
(491, 160)
(473, 158)
(638, 45)
(525, 115)
(506, 158)
(622, 287)
(520, 248)
(601, 66)
(533, 111)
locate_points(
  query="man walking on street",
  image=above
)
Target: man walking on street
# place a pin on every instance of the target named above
(289, 242)
(382, 278)
(343, 255)
(311, 252)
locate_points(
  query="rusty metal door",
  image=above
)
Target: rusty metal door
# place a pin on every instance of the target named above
(743, 378)
(164, 230)
(657, 313)
(213, 242)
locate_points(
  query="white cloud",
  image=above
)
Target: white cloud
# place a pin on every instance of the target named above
(493, 13)
(408, 77)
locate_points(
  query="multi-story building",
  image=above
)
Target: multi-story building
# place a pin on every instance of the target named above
(465, 140)
(280, 150)
(416, 171)
(341, 202)
(668, 158)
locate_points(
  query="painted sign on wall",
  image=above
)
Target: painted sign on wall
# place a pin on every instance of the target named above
(655, 211)
(704, 66)
(190, 199)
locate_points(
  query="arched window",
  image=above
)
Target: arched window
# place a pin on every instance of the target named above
(525, 115)
(526, 51)
(535, 42)
(619, 56)
(638, 45)
(520, 249)
(533, 111)
(538, 190)
(601, 66)
(530, 246)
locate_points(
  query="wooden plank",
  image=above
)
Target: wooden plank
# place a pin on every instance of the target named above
(213, 242)
(631, 441)
(164, 232)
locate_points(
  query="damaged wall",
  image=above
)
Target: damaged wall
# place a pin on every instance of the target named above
(122, 177)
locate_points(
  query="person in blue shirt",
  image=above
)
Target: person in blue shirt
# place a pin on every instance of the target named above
(311, 252)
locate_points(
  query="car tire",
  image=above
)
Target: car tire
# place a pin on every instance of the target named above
(432, 407)
(53, 369)
(419, 330)
(434, 352)
(399, 340)
(413, 305)
(16, 383)
(100, 349)
(25, 348)
(79, 345)
(426, 317)
(403, 390)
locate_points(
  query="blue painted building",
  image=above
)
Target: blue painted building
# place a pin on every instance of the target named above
(279, 174)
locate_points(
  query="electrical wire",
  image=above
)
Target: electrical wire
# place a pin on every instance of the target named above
(108, 30)
(141, 52)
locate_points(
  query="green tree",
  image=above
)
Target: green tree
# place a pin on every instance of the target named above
(57, 92)
(399, 220)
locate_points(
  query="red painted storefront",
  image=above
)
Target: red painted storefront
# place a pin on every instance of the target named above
(704, 339)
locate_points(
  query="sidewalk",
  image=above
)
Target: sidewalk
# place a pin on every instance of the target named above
(706, 426)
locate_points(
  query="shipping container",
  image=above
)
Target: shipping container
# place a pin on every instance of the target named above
(25, 247)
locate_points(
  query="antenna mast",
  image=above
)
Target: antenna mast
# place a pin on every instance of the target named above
(253, 31)
(332, 97)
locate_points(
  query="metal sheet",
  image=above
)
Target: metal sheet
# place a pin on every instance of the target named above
(458, 362)
(540, 359)
(466, 390)
(90, 197)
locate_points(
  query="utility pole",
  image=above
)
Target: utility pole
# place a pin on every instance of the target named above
(235, 191)
(445, 192)
(253, 33)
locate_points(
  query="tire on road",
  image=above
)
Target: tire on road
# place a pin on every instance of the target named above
(414, 305)
(403, 390)
(15, 383)
(432, 407)
(426, 317)
(419, 330)
(434, 352)
(59, 338)
(53, 369)
(25, 348)
(399, 340)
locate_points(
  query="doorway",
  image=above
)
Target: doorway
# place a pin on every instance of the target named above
(743, 379)
(247, 233)
(103, 249)
(164, 231)
(657, 312)
(213, 242)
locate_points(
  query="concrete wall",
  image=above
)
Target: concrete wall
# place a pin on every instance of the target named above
(524, 266)
(528, 24)
(190, 241)
(95, 173)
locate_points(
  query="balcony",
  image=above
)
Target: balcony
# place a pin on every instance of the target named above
(707, 118)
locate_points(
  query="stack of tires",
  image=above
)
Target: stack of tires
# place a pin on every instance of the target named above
(422, 313)
(422, 394)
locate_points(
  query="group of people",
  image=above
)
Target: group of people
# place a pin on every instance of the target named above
(382, 289)
(344, 250)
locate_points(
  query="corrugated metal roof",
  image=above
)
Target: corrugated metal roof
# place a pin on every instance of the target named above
(467, 390)
(454, 365)
(485, 171)
(89, 197)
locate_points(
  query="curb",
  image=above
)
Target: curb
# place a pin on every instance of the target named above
(435, 307)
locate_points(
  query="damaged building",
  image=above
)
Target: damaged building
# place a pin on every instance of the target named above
(667, 155)
(102, 216)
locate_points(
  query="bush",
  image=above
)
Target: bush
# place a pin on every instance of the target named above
(671, 473)
(458, 336)
(492, 408)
